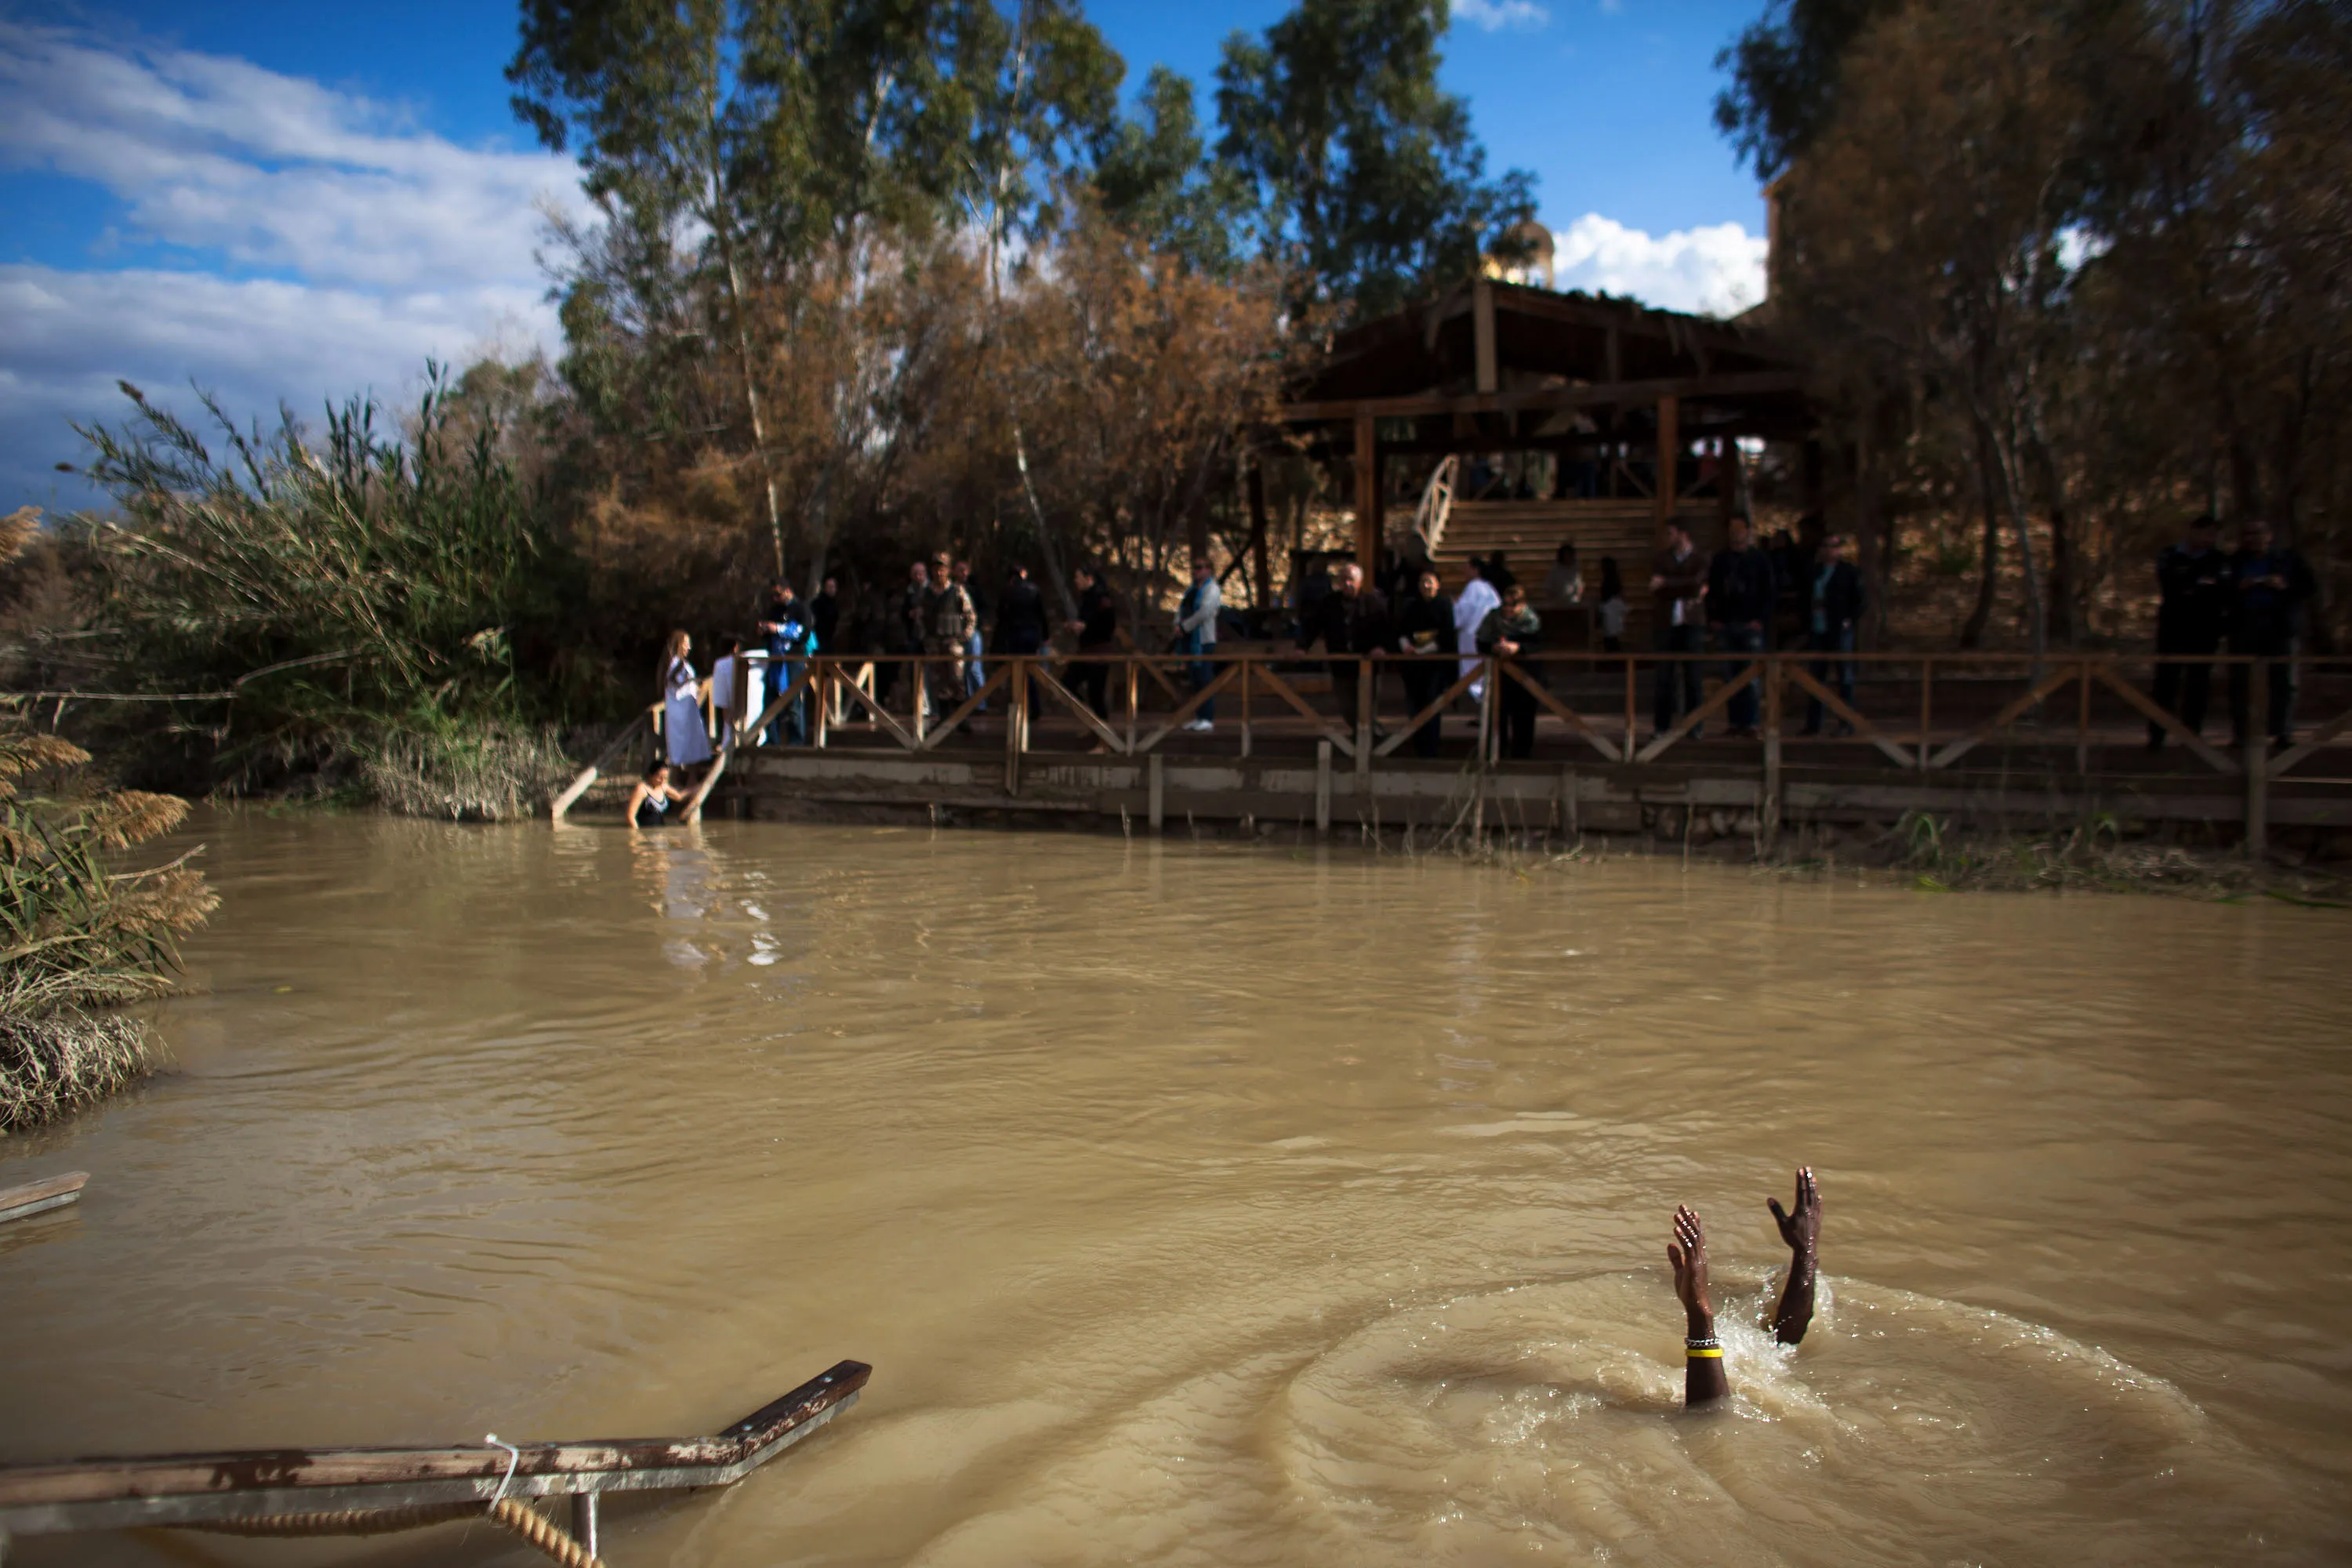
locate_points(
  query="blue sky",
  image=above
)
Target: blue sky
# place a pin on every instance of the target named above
(295, 201)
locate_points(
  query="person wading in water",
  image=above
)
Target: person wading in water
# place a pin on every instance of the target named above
(1703, 1382)
(650, 801)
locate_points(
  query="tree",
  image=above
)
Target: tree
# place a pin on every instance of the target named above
(732, 142)
(1153, 176)
(1928, 226)
(1785, 72)
(1366, 171)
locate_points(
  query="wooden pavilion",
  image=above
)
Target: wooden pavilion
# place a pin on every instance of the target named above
(1603, 385)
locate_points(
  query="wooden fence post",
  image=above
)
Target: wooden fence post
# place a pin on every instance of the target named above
(1157, 778)
(1249, 670)
(1768, 817)
(1322, 789)
(2257, 759)
(1016, 717)
(1366, 704)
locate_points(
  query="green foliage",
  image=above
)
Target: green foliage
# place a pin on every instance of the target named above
(1153, 177)
(1363, 166)
(324, 594)
(1785, 68)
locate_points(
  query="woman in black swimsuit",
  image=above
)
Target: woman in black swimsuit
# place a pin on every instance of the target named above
(649, 803)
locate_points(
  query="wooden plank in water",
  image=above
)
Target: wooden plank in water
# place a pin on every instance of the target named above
(182, 1489)
(38, 1197)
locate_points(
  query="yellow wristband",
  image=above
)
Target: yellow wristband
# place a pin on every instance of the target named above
(1696, 1355)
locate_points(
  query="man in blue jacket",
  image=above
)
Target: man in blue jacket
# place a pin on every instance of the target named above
(2271, 583)
(790, 643)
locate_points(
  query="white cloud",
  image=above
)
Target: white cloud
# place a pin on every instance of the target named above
(1493, 16)
(384, 242)
(272, 171)
(1716, 269)
(254, 342)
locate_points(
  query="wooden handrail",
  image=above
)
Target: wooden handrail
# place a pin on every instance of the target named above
(579, 786)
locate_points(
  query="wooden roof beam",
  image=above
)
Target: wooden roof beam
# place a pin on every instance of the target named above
(1636, 392)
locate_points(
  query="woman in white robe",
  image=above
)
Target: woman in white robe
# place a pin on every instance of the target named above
(688, 741)
(1470, 607)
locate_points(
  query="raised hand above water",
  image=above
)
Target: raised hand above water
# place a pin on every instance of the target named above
(1802, 1231)
(1703, 1374)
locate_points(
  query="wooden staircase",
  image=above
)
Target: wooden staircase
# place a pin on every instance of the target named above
(1530, 532)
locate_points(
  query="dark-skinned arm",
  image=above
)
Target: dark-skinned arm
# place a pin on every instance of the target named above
(1801, 1230)
(1703, 1380)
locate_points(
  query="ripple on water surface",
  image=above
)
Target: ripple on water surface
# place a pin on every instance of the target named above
(1546, 1419)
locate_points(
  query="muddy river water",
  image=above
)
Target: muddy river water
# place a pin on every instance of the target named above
(1200, 1204)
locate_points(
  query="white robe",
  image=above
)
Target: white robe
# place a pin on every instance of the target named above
(725, 671)
(682, 731)
(1470, 607)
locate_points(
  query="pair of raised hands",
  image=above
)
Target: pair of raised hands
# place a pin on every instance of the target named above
(1801, 1227)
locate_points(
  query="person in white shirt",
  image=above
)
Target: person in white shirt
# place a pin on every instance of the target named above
(1470, 607)
(1196, 621)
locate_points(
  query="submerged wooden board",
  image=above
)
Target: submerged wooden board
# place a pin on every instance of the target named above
(182, 1489)
(37, 1197)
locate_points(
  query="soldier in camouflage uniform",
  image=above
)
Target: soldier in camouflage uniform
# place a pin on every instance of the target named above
(954, 621)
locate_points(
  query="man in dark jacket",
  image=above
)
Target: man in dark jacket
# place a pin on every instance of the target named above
(916, 606)
(826, 608)
(2271, 583)
(2195, 597)
(1022, 627)
(1424, 625)
(1740, 593)
(1678, 588)
(1834, 600)
(1353, 620)
(1097, 629)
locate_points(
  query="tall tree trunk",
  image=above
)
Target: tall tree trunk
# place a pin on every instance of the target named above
(2063, 587)
(722, 225)
(2011, 493)
(1989, 562)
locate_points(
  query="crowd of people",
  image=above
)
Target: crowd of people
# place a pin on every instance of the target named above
(1727, 604)
(2249, 600)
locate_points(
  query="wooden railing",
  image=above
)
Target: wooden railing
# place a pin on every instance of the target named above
(1943, 706)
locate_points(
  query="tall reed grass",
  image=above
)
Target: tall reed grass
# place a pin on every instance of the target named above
(76, 935)
(341, 607)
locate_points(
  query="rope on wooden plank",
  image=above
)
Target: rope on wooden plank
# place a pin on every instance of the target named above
(347, 1522)
(515, 1515)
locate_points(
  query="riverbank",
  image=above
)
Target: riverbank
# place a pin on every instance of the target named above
(1916, 850)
